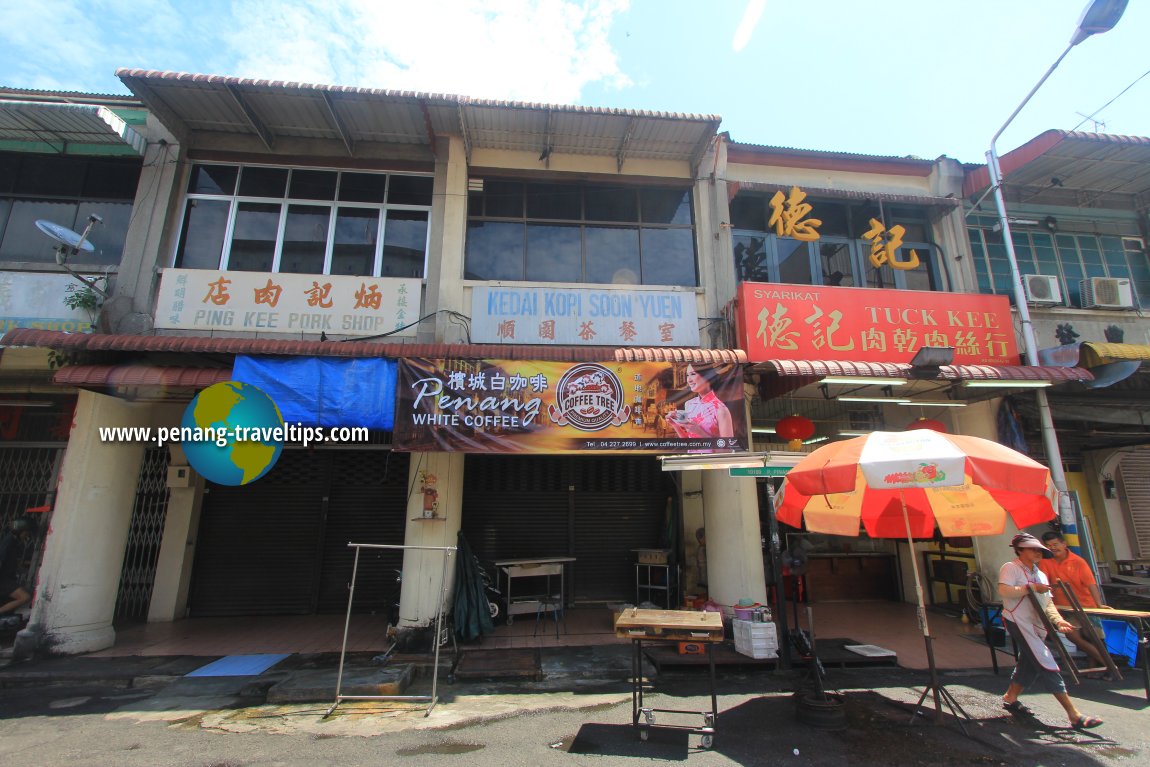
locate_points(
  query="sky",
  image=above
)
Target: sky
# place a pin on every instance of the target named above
(918, 78)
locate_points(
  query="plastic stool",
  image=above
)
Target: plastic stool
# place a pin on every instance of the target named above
(553, 604)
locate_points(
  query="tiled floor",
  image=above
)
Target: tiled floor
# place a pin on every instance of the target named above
(887, 624)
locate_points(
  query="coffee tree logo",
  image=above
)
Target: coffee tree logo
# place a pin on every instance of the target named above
(589, 397)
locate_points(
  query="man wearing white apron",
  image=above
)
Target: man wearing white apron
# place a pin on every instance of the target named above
(1035, 662)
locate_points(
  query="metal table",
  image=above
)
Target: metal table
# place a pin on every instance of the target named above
(538, 567)
(676, 626)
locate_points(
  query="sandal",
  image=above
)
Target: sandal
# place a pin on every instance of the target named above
(1017, 708)
(1086, 722)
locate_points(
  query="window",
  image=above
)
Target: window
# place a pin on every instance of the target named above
(579, 233)
(305, 221)
(65, 191)
(840, 256)
(1070, 257)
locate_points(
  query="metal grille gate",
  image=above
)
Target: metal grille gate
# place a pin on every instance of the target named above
(145, 534)
(28, 479)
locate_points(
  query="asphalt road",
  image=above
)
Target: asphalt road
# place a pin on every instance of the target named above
(45, 726)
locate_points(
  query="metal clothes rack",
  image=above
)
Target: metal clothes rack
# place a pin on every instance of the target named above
(433, 698)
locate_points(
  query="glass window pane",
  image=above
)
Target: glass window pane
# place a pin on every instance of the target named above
(749, 212)
(202, 240)
(835, 261)
(503, 199)
(794, 262)
(404, 243)
(921, 278)
(612, 255)
(494, 251)
(9, 167)
(410, 190)
(356, 231)
(312, 185)
(263, 182)
(112, 180)
(836, 222)
(254, 237)
(669, 257)
(53, 176)
(666, 206)
(108, 238)
(23, 241)
(213, 179)
(611, 203)
(362, 187)
(554, 253)
(555, 201)
(305, 239)
(751, 258)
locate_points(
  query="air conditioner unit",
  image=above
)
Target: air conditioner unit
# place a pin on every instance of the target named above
(1042, 289)
(1107, 293)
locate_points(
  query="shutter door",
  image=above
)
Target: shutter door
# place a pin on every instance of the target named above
(258, 545)
(594, 509)
(620, 505)
(1134, 471)
(367, 505)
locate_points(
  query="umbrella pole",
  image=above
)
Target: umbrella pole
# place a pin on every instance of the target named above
(940, 693)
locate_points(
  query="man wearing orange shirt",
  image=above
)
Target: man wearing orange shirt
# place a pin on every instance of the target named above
(1068, 567)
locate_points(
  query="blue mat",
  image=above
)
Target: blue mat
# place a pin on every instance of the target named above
(239, 665)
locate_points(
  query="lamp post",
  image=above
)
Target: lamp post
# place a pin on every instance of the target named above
(1099, 16)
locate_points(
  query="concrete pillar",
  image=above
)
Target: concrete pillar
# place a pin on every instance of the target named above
(448, 228)
(423, 570)
(178, 546)
(691, 483)
(734, 546)
(84, 549)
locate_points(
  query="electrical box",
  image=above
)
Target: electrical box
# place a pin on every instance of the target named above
(1042, 289)
(1107, 293)
(181, 476)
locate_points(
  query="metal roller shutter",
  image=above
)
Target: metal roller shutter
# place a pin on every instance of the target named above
(1134, 472)
(368, 504)
(258, 547)
(594, 509)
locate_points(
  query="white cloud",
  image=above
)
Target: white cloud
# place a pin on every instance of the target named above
(747, 24)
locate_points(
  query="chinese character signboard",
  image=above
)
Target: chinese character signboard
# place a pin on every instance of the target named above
(865, 325)
(259, 302)
(583, 317)
(523, 406)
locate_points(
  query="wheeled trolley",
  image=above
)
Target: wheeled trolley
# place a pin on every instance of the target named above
(703, 629)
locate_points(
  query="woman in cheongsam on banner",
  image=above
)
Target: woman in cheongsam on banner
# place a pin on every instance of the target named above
(704, 415)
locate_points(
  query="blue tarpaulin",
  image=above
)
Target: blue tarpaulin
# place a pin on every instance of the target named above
(321, 391)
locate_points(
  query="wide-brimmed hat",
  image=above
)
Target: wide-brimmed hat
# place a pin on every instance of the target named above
(1028, 541)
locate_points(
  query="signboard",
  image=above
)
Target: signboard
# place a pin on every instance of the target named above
(36, 300)
(583, 317)
(262, 302)
(523, 406)
(760, 471)
(871, 325)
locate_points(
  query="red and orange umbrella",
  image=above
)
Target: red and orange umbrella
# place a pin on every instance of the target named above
(903, 484)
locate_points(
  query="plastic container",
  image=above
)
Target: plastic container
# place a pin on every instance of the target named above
(1121, 639)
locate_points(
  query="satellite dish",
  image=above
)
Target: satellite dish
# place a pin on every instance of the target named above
(64, 235)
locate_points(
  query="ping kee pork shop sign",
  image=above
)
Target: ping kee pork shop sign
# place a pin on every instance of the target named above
(262, 302)
(523, 406)
(871, 325)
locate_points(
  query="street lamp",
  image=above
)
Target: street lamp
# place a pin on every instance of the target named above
(1099, 16)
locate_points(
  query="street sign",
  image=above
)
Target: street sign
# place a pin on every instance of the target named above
(760, 471)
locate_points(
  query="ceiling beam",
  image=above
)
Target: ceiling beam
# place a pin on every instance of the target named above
(338, 124)
(545, 155)
(427, 126)
(254, 121)
(701, 146)
(464, 132)
(624, 144)
(170, 118)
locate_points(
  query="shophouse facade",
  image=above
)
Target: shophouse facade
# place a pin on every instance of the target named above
(449, 239)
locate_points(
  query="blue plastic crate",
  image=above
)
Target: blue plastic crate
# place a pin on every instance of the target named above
(1121, 639)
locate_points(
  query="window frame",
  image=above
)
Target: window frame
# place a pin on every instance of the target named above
(286, 202)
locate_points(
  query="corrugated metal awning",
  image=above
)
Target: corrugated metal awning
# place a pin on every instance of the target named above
(54, 339)
(114, 376)
(821, 368)
(1093, 354)
(63, 126)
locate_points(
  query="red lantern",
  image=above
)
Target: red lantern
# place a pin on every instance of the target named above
(794, 429)
(928, 423)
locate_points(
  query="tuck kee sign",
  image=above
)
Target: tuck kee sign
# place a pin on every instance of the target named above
(870, 325)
